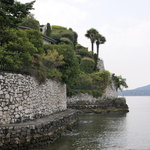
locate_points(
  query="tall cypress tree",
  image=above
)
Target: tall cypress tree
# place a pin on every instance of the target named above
(48, 30)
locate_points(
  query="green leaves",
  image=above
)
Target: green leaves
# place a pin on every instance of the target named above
(48, 30)
(64, 36)
(30, 22)
(70, 69)
(12, 13)
(87, 65)
(120, 82)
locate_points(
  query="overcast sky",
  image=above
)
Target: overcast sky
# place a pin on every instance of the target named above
(124, 23)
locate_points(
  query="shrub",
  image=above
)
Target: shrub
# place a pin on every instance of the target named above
(70, 69)
(65, 41)
(100, 79)
(84, 53)
(87, 65)
(83, 81)
(54, 74)
(79, 58)
(35, 38)
(17, 51)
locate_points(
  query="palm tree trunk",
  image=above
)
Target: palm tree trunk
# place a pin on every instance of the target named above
(97, 44)
(97, 50)
(92, 47)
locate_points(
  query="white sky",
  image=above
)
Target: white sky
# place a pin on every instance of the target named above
(124, 23)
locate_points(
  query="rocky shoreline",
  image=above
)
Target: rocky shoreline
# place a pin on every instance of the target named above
(115, 105)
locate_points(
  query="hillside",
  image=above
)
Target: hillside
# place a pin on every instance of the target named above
(141, 91)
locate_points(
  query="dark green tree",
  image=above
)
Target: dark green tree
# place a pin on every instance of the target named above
(70, 69)
(48, 30)
(31, 22)
(35, 38)
(17, 53)
(11, 14)
(91, 35)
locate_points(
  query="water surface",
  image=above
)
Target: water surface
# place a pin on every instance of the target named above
(111, 131)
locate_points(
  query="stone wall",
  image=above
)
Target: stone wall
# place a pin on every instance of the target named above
(87, 99)
(43, 131)
(109, 101)
(23, 99)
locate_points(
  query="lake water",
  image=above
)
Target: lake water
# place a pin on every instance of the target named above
(112, 131)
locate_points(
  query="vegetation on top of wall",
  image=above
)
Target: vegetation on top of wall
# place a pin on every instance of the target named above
(94, 83)
(64, 35)
(23, 51)
(70, 69)
(87, 65)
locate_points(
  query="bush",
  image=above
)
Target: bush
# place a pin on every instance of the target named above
(87, 65)
(17, 52)
(100, 79)
(84, 53)
(35, 38)
(94, 84)
(54, 74)
(70, 69)
(83, 81)
(65, 41)
(79, 58)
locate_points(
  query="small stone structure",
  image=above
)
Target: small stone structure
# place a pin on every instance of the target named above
(23, 99)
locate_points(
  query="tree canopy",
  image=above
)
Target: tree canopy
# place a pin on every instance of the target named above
(30, 22)
(12, 12)
(91, 35)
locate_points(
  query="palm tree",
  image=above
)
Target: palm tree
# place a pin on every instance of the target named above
(91, 35)
(99, 40)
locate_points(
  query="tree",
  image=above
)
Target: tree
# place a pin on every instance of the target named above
(17, 53)
(70, 69)
(35, 38)
(120, 82)
(31, 22)
(48, 30)
(99, 40)
(12, 12)
(91, 35)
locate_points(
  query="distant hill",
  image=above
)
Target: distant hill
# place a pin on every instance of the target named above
(141, 91)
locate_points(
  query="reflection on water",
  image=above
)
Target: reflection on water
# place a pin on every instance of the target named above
(111, 131)
(94, 132)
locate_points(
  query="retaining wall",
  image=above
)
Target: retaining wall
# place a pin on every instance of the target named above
(23, 99)
(35, 133)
